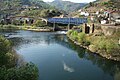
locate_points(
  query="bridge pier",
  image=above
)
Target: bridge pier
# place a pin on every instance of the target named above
(54, 26)
(68, 27)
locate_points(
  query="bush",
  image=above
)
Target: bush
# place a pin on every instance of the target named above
(9, 26)
(69, 32)
(74, 35)
(106, 45)
(81, 37)
(4, 45)
(8, 68)
(39, 23)
(26, 72)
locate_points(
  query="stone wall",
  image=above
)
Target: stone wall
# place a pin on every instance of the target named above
(88, 28)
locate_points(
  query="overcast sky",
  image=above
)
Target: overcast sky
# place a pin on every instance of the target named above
(77, 1)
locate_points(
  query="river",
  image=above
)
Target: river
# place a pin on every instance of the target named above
(59, 59)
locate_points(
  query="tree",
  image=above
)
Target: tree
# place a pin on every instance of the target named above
(39, 23)
(8, 68)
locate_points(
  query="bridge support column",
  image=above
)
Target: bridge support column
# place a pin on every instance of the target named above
(54, 26)
(68, 27)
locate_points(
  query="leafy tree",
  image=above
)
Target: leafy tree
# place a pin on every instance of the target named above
(8, 68)
(26, 72)
(39, 23)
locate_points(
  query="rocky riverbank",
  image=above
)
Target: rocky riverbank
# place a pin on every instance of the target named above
(115, 57)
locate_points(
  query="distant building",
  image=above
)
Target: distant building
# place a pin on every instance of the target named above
(84, 13)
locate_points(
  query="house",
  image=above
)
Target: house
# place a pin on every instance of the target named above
(84, 13)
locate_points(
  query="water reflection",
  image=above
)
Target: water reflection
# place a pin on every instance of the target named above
(67, 68)
(108, 66)
(55, 51)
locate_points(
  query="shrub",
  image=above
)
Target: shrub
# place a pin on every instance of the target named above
(69, 32)
(39, 23)
(107, 45)
(26, 72)
(8, 68)
(4, 45)
(74, 35)
(81, 38)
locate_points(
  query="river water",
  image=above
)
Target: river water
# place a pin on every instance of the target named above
(59, 59)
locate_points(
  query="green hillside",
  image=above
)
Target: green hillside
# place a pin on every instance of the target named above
(103, 4)
(67, 5)
(15, 7)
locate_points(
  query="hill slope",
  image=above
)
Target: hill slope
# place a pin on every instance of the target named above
(12, 7)
(67, 5)
(103, 4)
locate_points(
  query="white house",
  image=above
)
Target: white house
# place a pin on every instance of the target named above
(84, 13)
(103, 21)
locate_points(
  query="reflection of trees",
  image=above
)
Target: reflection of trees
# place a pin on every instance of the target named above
(81, 51)
(108, 66)
(17, 41)
(117, 76)
(62, 40)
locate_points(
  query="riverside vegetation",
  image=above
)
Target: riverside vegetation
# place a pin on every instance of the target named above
(10, 69)
(106, 46)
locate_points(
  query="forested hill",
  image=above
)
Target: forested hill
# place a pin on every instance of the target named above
(39, 3)
(33, 8)
(26, 8)
(67, 5)
(14, 6)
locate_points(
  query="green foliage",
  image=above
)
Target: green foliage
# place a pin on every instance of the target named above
(113, 4)
(91, 4)
(105, 3)
(45, 13)
(7, 58)
(74, 35)
(4, 45)
(14, 7)
(99, 43)
(79, 37)
(67, 5)
(8, 68)
(39, 23)
(106, 45)
(9, 26)
(26, 72)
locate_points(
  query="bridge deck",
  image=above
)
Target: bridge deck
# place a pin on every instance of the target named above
(75, 21)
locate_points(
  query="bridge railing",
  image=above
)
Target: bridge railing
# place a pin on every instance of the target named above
(68, 20)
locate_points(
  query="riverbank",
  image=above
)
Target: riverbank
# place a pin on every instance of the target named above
(29, 28)
(95, 49)
(12, 67)
(39, 29)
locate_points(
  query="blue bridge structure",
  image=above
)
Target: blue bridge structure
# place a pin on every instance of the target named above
(73, 21)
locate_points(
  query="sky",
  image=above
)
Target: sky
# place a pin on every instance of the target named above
(77, 1)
